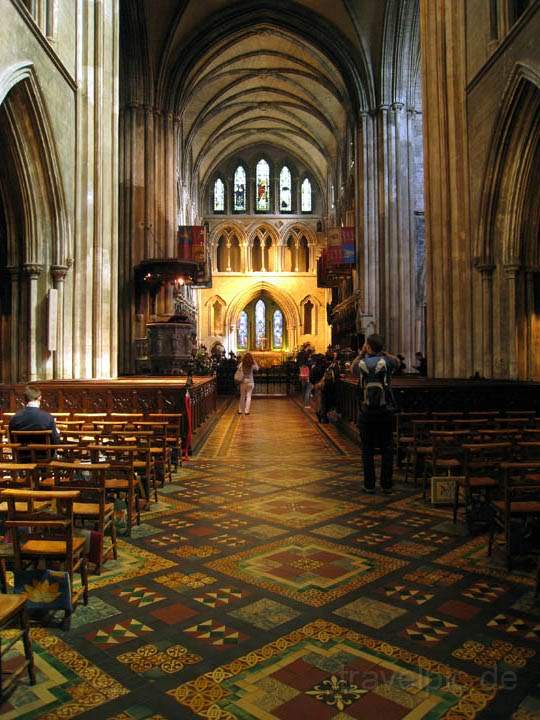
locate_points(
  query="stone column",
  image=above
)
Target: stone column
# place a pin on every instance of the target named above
(368, 200)
(15, 369)
(487, 319)
(511, 274)
(448, 246)
(32, 273)
(59, 273)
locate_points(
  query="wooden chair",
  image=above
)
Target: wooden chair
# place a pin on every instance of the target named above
(446, 456)
(8, 452)
(450, 416)
(518, 510)
(30, 437)
(515, 422)
(497, 435)
(47, 536)
(91, 506)
(13, 613)
(531, 414)
(404, 437)
(160, 450)
(143, 460)
(120, 478)
(483, 414)
(17, 475)
(481, 479)
(174, 433)
(421, 449)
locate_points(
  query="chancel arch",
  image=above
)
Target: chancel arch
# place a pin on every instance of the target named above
(281, 301)
(508, 253)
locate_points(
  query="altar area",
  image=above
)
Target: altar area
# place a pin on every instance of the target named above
(269, 358)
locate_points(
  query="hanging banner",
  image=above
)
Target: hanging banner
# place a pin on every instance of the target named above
(192, 246)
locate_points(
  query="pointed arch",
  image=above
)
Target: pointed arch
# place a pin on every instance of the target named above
(35, 159)
(282, 299)
(513, 147)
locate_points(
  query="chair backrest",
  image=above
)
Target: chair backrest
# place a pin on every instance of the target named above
(422, 430)
(448, 443)
(514, 422)
(448, 415)
(25, 437)
(479, 414)
(485, 459)
(520, 413)
(18, 475)
(521, 481)
(87, 478)
(53, 523)
(528, 450)
(497, 435)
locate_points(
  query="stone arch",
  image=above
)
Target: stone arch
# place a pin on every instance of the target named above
(35, 221)
(507, 252)
(315, 320)
(513, 146)
(228, 231)
(281, 297)
(216, 308)
(264, 238)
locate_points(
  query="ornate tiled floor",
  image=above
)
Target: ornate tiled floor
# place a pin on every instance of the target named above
(265, 585)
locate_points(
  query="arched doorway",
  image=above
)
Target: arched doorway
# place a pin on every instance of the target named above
(262, 325)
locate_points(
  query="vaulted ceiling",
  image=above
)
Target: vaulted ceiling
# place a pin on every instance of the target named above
(240, 72)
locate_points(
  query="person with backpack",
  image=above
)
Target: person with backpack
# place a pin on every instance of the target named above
(374, 368)
(330, 381)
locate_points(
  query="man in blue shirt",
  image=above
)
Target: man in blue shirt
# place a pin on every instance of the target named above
(374, 368)
(31, 417)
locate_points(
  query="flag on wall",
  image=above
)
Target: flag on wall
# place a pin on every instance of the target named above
(192, 246)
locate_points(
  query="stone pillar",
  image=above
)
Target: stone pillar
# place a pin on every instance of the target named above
(511, 274)
(59, 273)
(148, 208)
(32, 273)
(95, 342)
(448, 246)
(15, 358)
(368, 200)
(487, 319)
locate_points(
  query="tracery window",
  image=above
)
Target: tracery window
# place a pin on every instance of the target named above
(260, 325)
(285, 187)
(239, 203)
(306, 200)
(277, 328)
(219, 196)
(243, 330)
(262, 200)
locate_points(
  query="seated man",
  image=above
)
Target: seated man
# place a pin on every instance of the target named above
(31, 417)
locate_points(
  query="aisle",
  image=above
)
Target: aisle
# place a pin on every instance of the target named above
(266, 585)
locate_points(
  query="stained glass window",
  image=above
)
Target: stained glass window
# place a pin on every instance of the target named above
(278, 329)
(306, 196)
(219, 196)
(243, 331)
(260, 325)
(240, 189)
(262, 202)
(285, 195)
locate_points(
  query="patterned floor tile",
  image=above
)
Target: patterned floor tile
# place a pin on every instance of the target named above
(489, 653)
(158, 659)
(139, 596)
(216, 634)
(373, 613)
(265, 614)
(373, 538)
(220, 597)
(294, 509)
(306, 569)
(173, 614)
(516, 626)
(407, 593)
(324, 670)
(185, 582)
(431, 576)
(265, 532)
(429, 630)
(485, 591)
(119, 633)
(194, 551)
(410, 549)
(137, 712)
(334, 530)
(144, 530)
(68, 684)
(458, 609)
(97, 610)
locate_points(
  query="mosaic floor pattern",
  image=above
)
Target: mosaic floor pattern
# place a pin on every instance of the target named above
(265, 585)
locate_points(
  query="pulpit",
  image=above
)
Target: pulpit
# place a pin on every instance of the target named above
(169, 346)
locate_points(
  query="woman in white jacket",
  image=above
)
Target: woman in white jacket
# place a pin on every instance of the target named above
(247, 366)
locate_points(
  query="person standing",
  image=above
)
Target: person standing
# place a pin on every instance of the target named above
(31, 417)
(247, 367)
(374, 368)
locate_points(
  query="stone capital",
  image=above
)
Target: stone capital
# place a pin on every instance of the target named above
(59, 273)
(32, 270)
